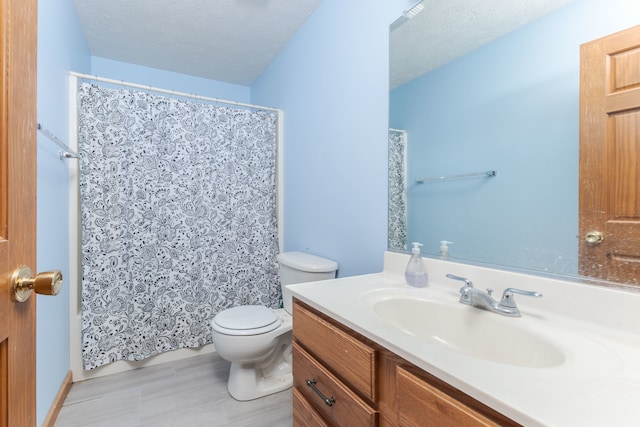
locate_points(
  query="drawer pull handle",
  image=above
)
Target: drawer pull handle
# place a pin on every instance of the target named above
(329, 401)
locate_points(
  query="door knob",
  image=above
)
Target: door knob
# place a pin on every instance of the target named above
(23, 282)
(594, 237)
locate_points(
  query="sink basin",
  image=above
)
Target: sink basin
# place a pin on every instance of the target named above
(471, 331)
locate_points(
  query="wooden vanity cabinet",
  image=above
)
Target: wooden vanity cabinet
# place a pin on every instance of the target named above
(342, 379)
(333, 371)
(303, 412)
(419, 400)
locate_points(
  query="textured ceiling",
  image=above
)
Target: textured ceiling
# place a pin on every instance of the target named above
(445, 30)
(226, 40)
(235, 40)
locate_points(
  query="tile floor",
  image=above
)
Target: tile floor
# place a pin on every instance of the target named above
(190, 392)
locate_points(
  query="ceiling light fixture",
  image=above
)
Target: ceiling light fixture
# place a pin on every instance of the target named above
(407, 14)
(416, 9)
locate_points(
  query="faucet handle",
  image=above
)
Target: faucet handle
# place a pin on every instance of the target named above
(466, 281)
(508, 300)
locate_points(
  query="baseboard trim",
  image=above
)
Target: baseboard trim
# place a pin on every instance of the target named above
(58, 401)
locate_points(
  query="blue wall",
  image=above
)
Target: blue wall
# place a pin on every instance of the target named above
(331, 80)
(332, 83)
(61, 47)
(167, 80)
(512, 106)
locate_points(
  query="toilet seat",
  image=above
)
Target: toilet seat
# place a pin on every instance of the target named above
(246, 320)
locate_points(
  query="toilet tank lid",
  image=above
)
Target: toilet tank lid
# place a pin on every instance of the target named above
(307, 262)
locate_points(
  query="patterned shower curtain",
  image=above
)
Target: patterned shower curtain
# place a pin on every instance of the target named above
(397, 190)
(178, 219)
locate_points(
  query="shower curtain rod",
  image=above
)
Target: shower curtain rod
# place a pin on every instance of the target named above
(169, 92)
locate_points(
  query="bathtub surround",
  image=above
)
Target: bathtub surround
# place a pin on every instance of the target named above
(178, 219)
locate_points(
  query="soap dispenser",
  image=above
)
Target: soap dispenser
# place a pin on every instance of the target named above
(444, 248)
(416, 273)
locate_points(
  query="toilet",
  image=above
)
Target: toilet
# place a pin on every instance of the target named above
(257, 340)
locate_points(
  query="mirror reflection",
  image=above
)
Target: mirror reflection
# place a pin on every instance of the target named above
(510, 105)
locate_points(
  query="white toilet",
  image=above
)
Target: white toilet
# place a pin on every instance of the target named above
(257, 340)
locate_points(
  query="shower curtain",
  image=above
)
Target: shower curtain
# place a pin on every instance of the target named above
(179, 221)
(397, 222)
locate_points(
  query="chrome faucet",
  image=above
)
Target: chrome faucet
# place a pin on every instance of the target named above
(481, 299)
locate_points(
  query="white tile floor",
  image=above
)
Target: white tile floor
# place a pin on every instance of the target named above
(190, 392)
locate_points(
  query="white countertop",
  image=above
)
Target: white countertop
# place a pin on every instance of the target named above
(595, 328)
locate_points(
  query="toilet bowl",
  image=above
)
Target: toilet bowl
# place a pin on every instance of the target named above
(257, 342)
(257, 339)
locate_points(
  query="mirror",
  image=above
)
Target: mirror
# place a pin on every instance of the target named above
(465, 101)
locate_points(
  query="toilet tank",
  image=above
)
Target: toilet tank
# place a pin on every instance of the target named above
(300, 267)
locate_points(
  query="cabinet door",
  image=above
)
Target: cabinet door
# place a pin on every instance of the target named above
(303, 413)
(421, 404)
(337, 404)
(349, 358)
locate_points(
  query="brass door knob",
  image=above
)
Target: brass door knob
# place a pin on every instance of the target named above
(23, 282)
(594, 237)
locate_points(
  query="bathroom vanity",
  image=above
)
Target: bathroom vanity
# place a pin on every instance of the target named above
(372, 351)
(342, 378)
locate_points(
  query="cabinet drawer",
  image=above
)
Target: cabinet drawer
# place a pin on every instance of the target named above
(347, 410)
(422, 404)
(303, 413)
(350, 359)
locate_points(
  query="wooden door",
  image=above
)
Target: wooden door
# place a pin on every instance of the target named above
(610, 157)
(17, 209)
